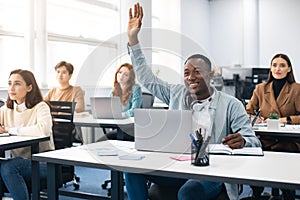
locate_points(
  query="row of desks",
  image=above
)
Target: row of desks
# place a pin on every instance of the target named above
(274, 169)
(233, 169)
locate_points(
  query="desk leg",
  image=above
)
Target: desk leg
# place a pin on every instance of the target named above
(2, 153)
(35, 175)
(93, 134)
(117, 185)
(35, 180)
(52, 187)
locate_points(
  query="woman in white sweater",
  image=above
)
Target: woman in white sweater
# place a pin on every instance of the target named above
(26, 114)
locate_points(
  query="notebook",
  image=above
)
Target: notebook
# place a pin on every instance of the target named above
(106, 107)
(163, 130)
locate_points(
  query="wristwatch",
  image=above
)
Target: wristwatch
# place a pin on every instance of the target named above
(288, 120)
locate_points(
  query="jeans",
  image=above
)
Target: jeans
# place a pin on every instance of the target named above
(199, 190)
(136, 186)
(16, 173)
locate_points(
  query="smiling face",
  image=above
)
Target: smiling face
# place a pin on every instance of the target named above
(197, 77)
(17, 88)
(279, 68)
(63, 76)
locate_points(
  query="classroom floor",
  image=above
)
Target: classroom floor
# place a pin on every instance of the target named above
(91, 180)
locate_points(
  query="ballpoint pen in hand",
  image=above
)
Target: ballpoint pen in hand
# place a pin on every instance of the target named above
(256, 117)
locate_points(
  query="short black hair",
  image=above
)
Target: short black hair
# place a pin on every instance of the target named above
(202, 57)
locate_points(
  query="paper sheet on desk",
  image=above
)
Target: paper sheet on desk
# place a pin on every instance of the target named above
(292, 127)
(4, 134)
(182, 158)
(82, 114)
(259, 126)
(124, 146)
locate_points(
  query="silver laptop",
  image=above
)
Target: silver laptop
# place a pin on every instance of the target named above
(163, 130)
(106, 107)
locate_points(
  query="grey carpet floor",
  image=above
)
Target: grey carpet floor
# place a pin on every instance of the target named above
(92, 179)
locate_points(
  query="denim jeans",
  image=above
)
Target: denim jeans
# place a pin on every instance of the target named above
(15, 173)
(136, 186)
(199, 190)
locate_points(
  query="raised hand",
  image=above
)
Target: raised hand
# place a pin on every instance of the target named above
(134, 24)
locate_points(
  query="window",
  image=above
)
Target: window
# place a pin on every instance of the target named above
(12, 49)
(74, 28)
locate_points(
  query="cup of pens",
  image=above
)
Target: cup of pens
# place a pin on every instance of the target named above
(200, 148)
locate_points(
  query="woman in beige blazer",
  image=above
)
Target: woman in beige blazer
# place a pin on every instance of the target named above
(280, 95)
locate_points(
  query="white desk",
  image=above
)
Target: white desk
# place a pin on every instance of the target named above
(13, 142)
(286, 131)
(274, 169)
(89, 121)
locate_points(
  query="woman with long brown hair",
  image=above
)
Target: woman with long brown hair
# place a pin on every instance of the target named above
(130, 95)
(25, 114)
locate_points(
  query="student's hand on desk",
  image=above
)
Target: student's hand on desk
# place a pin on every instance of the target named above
(234, 141)
(258, 120)
(134, 24)
(283, 120)
(3, 129)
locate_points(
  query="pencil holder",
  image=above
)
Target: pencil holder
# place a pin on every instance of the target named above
(199, 155)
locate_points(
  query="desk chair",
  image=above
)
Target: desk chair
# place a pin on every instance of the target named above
(63, 113)
(2, 102)
(147, 102)
(157, 192)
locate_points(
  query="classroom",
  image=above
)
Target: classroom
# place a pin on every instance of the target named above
(91, 44)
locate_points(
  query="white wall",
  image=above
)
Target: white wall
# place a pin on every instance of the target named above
(280, 31)
(195, 24)
(219, 26)
(226, 32)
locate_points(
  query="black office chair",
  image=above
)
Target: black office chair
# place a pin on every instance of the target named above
(63, 113)
(157, 192)
(2, 102)
(147, 102)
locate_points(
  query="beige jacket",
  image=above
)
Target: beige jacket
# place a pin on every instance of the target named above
(36, 121)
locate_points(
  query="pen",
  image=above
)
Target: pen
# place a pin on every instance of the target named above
(203, 147)
(198, 134)
(238, 130)
(256, 117)
(194, 142)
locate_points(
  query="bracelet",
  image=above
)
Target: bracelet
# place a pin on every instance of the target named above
(288, 120)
